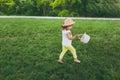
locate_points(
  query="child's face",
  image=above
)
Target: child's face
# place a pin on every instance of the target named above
(70, 27)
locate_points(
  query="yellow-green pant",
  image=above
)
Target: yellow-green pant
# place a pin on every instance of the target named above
(65, 49)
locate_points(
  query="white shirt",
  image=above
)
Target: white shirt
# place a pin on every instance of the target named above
(65, 40)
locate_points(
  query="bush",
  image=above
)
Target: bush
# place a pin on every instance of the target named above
(53, 12)
(74, 14)
(103, 9)
(64, 13)
(1, 13)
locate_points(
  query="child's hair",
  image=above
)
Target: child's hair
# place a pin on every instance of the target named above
(64, 27)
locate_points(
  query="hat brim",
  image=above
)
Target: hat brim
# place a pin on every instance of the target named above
(68, 24)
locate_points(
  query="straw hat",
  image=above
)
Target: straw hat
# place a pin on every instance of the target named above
(67, 22)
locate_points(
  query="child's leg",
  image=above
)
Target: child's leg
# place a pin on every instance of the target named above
(64, 49)
(73, 51)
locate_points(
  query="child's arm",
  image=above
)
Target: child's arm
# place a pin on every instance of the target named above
(69, 35)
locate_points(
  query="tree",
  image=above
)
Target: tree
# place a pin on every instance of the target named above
(90, 8)
(66, 6)
(103, 8)
(44, 5)
(6, 5)
(84, 7)
(6, 2)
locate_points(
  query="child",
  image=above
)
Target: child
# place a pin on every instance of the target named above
(67, 40)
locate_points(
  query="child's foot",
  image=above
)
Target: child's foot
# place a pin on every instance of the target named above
(60, 61)
(76, 60)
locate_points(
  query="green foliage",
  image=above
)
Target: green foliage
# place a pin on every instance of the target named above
(64, 13)
(1, 13)
(29, 49)
(106, 8)
(6, 6)
(53, 12)
(90, 8)
(58, 3)
(44, 7)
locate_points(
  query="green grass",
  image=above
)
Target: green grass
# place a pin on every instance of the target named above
(29, 49)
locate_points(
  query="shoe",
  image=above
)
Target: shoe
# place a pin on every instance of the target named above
(60, 61)
(76, 60)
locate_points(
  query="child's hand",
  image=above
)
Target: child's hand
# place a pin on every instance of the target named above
(77, 35)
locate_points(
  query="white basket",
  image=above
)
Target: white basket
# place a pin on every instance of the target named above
(85, 38)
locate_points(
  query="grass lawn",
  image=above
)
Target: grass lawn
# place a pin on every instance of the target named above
(29, 49)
